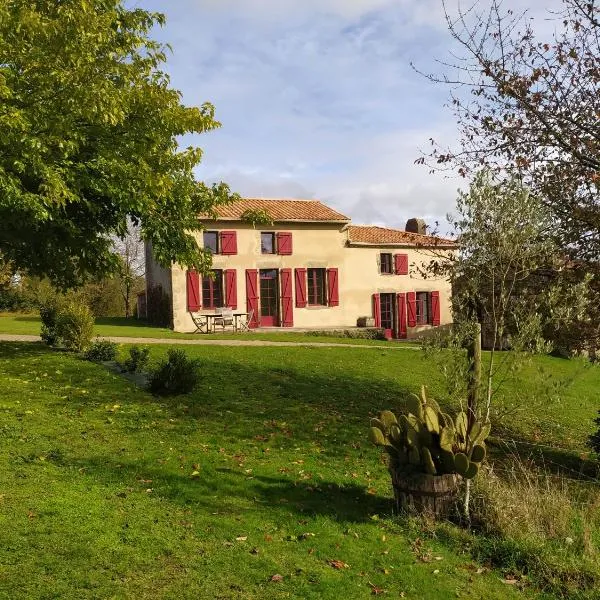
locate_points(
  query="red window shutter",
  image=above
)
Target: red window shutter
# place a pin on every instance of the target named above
(284, 242)
(411, 309)
(401, 298)
(287, 301)
(401, 261)
(435, 308)
(252, 295)
(231, 288)
(300, 288)
(193, 291)
(228, 242)
(333, 287)
(377, 309)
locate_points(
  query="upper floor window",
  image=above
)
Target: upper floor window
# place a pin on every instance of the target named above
(317, 291)
(211, 241)
(423, 308)
(212, 290)
(267, 243)
(386, 266)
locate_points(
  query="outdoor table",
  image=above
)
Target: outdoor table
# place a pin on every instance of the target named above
(205, 321)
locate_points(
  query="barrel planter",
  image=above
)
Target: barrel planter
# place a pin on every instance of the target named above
(435, 495)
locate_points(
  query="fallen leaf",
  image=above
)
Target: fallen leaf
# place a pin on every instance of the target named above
(254, 551)
(277, 578)
(338, 564)
(376, 591)
(195, 474)
(241, 538)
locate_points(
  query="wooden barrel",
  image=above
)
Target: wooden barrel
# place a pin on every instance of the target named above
(435, 495)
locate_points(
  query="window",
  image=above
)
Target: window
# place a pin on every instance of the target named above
(267, 243)
(212, 290)
(317, 295)
(423, 304)
(211, 241)
(385, 262)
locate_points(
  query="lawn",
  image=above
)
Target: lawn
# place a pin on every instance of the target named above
(29, 324)
(258, 485)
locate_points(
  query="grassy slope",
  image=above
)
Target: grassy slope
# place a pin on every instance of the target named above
(27, 324)
(98, 498)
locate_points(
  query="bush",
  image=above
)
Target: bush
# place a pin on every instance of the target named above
(75, 326)
(594, 439)
(361, 333)
(138, 360)
(49, 311)
(102, 350)
(177, 375)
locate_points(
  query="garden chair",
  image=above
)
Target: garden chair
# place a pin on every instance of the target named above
(244, 322)
(223, 319)
(200, 321)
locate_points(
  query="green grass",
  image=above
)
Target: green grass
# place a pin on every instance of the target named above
(99, 499)
(29, 324)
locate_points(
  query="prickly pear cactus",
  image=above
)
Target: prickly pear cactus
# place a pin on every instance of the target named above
(425, 439)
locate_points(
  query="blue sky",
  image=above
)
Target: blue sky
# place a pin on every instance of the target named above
(317, 99)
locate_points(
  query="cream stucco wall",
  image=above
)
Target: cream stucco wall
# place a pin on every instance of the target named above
(316, 246)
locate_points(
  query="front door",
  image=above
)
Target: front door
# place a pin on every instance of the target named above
(269, 298)
(387, 314)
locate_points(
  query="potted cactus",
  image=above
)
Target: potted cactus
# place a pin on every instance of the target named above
(430, 453)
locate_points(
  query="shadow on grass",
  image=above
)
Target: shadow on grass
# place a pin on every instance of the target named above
(227, 491)
(125, 322)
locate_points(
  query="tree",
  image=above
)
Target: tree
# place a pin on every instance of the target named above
(509, 276)
(530, 106)
(89, 139)
(131, 265)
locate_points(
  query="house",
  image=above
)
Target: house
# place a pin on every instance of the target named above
(311, 268)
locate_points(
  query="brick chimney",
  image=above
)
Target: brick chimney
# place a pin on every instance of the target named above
(416, 226)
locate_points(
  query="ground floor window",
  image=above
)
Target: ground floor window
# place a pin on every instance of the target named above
(212, 290)
(317, 290)
(423, 308)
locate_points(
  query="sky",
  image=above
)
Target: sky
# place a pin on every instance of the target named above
(318, 99)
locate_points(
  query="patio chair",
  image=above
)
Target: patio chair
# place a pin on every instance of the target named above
(223, 319)
(244, 322)
(200, 321)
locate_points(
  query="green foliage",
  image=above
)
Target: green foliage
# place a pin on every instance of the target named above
(429, 441)
(49, 313)
(138, 360)
(102, 350)
(361, 333)
(256, 217)
(75, 326)
(89, 138)
(594, 439)
(176, 375)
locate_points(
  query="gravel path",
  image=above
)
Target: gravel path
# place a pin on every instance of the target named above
(6, 337)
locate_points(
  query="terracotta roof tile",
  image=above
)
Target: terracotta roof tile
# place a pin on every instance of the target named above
(282, 210)
(382, 236)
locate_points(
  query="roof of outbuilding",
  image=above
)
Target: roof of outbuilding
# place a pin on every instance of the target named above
(282, 210)
(382, 236)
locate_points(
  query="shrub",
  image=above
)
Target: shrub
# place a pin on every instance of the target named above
(594, 439)
(361, 333)
(177, 375)
(102, 350)
(49, 311)
(75, 326)
(138, 359)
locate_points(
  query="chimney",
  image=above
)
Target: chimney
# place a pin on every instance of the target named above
(416, 226)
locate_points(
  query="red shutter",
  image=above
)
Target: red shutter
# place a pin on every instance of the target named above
(333, 287)
(228, 242)
(401, 261)
(435, 308)
(287, 301)
(231, 288)
(411, 306)
(252, 295)
(284, 242)
(401, 298)
(377, 309)
(193, 291)
(300, 288)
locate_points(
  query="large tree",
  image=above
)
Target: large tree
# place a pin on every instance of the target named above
(531, 105)
(89, 131)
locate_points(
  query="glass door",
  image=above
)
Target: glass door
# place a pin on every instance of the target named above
(387, 314)
(269, 298)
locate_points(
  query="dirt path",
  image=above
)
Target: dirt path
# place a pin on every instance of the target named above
(6, 337)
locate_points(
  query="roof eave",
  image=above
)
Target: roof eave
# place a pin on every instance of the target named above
(326, 221)
(442, 245)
